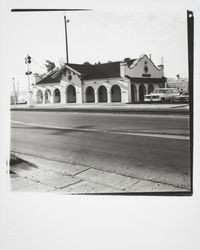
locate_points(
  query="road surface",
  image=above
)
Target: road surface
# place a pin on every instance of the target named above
(150, 147)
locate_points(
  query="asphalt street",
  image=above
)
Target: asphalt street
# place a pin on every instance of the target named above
(150, 147)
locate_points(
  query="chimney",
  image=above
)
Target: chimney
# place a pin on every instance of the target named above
(161, 67)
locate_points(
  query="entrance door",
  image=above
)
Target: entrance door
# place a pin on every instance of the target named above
(142, 92)
(133, 93)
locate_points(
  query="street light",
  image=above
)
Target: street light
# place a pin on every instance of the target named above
(66, 21)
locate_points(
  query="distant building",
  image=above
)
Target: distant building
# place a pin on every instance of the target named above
(18, 97)
(180, 84)
(122, 81)
(13, 100)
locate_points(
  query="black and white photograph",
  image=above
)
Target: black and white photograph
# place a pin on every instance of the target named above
(100, 101)
(99, 125)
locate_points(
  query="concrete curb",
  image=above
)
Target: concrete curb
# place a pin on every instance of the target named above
(118, 110)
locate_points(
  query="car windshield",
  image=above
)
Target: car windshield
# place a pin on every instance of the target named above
(163, 91)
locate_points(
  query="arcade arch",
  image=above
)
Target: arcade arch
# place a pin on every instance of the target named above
(90, 98)
(102, 94)
(115, 93)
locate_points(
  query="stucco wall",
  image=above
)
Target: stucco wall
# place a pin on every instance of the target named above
(75, 81)
(123, 83)
(138, 69)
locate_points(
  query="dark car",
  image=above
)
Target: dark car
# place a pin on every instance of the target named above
(183, 97)
(22, 101)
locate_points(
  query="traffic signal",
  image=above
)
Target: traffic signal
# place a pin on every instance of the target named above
(29, 59)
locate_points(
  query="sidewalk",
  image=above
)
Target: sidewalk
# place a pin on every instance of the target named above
(35, 174)
(108, 108)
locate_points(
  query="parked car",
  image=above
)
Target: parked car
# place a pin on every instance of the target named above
(183, 97)
(162, 95)
(22, 101)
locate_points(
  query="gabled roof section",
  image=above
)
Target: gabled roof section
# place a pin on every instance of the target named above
(97, 71)
(50, 77)
(135, 62)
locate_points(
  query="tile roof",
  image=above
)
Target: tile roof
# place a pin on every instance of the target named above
(88, 71)
(97, 71)
(50, 77)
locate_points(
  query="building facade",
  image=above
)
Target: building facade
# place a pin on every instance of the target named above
(122, 81)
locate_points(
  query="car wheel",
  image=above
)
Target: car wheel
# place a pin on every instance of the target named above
(163, 100)
(173, 99)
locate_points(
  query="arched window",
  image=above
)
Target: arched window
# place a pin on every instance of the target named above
(102, 94)
(56, 96)
(115, 93)
(90, 95)
(71, 94)
(39, 96)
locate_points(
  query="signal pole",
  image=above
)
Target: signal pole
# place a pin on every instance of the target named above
(28, 73)
(66, 43)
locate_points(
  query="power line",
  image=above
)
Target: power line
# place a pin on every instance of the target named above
(38, 63)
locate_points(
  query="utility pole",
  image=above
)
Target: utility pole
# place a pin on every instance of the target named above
(66, 43)
(178, 79)
(15, 99)
(28, 73)
(18, 91)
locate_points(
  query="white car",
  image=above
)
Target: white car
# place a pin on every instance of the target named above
(162, 95)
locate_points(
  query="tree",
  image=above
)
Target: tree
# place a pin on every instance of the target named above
(127, 59)
(87, 63)
(50, 65)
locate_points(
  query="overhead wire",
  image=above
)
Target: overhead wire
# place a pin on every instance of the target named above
(38, 63)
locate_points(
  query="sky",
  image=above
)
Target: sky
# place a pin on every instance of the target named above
(109, 32)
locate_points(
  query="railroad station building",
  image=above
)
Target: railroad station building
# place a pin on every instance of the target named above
(122, 81)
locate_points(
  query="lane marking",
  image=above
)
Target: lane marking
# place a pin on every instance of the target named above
(174, 116)
(167, 136)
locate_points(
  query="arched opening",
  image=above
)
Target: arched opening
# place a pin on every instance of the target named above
(39, 96)
(102, 94)
(142, 92)
(71, 94)
(133, 93)
(56, 96)
(115, 93)
(150, 88)
(47, 96)
(90, 95)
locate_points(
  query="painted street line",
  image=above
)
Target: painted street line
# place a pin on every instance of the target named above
(167, 136)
